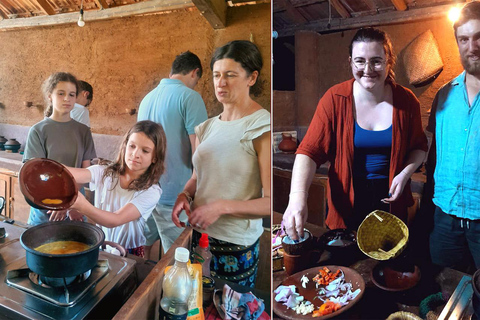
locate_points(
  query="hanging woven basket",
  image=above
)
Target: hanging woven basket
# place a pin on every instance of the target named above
(422, 59)
(382, 236)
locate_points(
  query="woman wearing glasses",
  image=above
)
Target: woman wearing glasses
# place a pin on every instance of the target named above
(369, 129)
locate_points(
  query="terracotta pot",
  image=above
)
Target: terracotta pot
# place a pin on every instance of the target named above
(287, 145)
(295, 263)
(12, 144)
(2, 142)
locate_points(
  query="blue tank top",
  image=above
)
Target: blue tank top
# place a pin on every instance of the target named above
(371, 158)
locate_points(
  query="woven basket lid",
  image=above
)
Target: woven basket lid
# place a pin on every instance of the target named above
(403, 315)
(382, 236)
(422, 59)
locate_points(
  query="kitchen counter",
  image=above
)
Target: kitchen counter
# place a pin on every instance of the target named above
(11, 162)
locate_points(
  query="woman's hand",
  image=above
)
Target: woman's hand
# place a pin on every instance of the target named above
(80, 202)
(57, 215)
(202, 217)
(296, 215)
(182, 203)
(398, 183)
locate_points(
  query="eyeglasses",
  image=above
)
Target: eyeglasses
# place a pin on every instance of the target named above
(376, 64)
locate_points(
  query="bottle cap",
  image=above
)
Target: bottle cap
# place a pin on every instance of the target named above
(203, 240)
(182, 254)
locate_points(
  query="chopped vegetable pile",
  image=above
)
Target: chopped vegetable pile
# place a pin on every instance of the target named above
(333, 291)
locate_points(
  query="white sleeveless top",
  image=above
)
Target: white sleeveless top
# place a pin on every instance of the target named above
(227, 168)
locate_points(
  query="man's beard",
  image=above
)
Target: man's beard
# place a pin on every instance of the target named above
(469, 66)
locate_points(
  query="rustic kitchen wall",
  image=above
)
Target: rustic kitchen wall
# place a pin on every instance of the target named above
(334, 68)
(122, 58)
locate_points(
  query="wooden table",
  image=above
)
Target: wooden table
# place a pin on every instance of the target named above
(377, 303)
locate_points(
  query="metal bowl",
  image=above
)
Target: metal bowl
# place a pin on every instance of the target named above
(47, 184)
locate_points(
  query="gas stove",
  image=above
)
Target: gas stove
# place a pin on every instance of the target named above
(25, 295)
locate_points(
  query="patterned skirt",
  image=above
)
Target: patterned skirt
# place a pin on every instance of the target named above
(231, 262)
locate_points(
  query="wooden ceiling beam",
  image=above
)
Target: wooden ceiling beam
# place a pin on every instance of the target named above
(46, 7)
(340, 8)
(215, 11)
(293, 13)
(102, 4)
(380, 19)
(400, 5)
(140, 8)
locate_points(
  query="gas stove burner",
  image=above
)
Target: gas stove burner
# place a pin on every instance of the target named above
(49, 282)
(60, 291)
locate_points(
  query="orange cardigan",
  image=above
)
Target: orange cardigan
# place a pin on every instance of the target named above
(330, 138)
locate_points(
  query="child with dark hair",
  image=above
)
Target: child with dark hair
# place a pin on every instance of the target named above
(80, 111)
(127, 190)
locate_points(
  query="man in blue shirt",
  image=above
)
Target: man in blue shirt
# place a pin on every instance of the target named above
(455, 124)
(178, 108)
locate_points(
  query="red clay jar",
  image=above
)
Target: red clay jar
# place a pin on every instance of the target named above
(287, 145)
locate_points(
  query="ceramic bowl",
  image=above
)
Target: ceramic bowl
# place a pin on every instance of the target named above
(339, 240)
(47, 184)
(297, 248)
(389, 277)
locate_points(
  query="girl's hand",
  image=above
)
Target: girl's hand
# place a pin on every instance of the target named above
(202, 217)
(75, 215)
(295, 215)
(57, 215)
(398, 183)
(181, 204)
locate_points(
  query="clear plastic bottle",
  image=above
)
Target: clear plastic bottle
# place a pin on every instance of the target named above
(203, 255)
(177, 287)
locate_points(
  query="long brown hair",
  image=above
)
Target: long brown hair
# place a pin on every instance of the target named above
(51, 83)
(154, 132)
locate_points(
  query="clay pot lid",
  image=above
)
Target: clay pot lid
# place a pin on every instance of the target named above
(42, 179)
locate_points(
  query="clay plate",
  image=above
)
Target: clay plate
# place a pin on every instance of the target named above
(310, 292)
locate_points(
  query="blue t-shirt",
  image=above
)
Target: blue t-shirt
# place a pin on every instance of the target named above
(178, 109)
(456, 126)
(372, 149)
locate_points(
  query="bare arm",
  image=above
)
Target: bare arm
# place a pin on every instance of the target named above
(415, 159)
(105, 218)
(81, 175)
(193, 142)
(296, 213)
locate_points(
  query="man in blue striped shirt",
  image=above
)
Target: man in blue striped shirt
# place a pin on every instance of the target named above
(455, 123)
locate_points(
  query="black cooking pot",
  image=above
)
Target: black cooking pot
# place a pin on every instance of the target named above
(62, 265)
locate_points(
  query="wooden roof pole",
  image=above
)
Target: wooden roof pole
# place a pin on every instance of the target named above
(102, 4)
(340, 8)
(400, 5)
(46, 7)
(215, 11)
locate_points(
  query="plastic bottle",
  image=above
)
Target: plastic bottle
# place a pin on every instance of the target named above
(203, 255)
(177, 287)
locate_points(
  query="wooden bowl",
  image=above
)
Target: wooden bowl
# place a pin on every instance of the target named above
(47, 184)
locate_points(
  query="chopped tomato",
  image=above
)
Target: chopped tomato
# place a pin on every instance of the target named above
(326, 308)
